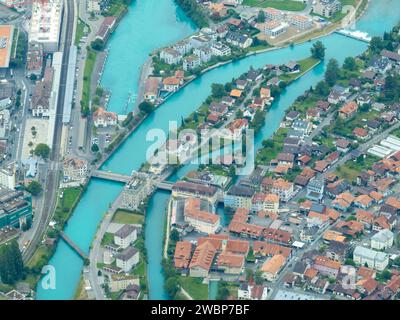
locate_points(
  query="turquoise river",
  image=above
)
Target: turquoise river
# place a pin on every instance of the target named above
(151, 24)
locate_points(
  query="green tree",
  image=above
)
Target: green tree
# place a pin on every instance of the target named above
(34, 188)
(318, 50)
(195, 11)
(322, 88)
(249, 274)
(392, 87)
(11, 263)
(99, 91)
(239, 114)
(174, 236)
(350, 64)
(332, 72)
(98, 45)
(258, 120)
(42, 150)
(261, 16)
(217, 90)
(223, 291)
(172, 287)
(376, 44)
(258, 279)
(146, 107)
(95, 148)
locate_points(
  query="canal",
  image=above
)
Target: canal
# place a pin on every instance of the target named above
(83, 224)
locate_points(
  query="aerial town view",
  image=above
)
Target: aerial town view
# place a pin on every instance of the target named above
(199, 150)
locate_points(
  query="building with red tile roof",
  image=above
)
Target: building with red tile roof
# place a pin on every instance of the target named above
(202, 260)
(183, 254)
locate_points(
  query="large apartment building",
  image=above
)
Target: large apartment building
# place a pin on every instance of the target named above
(374, 259)
(45, 25)
(327, 8)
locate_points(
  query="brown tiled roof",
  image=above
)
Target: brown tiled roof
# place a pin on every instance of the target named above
(228, 259)
(326, 262)
(192, 210)
(364, 216)
(203, 256)
(270, 249)
(183, 252)
(274, 265)
(237, 246)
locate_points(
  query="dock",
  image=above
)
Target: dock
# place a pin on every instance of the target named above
(73, 246)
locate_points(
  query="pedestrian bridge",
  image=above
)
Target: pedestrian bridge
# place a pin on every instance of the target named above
(73, 246)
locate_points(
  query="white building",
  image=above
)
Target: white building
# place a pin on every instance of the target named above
(135, 192)
(191, 62)
(201, 220)
(170, 56)
(382, 240)
(127, 259)
(125, 236)
(274, 29)
(204, 53)
(327, 8)
(75, 169)
(104, 119)
(374, 259)
(45, 25)
(252, 292)
(93, 6)
(7, 177)
(219, 49)
(183, 47)
(284, 189)
(300, 22)
(4, 123)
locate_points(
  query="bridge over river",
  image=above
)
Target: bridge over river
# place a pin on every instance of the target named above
(73, 245)
(107, 175)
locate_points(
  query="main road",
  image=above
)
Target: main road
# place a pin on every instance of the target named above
(53, 173)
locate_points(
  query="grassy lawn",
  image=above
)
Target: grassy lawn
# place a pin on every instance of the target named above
(14, 43)
(87, 77)
(117, 7)
(80, 293)
(194, 286)
(127, 217)
(259, 47)
(80, 31)
(351, 169)
(140, 269)
(5, 288)
(267, 153)
(290, 5)
(348, 2)
(107, 239)
(39, 254)
(66, 204)
(396, 133)
(305, 65)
